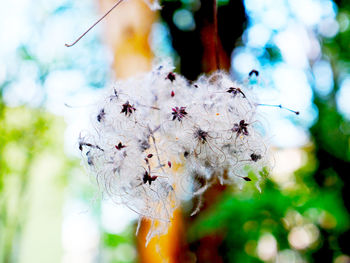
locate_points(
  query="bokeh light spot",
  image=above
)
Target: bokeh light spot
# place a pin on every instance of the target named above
(184, 20)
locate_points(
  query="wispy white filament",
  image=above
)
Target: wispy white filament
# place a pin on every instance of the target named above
(148, 126)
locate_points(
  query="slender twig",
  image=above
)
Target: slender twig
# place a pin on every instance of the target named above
(98, 21)
(279, 106)
(216, 35)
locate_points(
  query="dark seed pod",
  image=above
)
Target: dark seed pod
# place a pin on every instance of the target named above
(255, 157)
(101, 115)
(251, 73)
(171, 76)
(119, 146)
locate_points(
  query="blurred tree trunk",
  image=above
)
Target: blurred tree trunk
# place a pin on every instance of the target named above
(196, 48)
(201, 50)
(127, 31)
(206, 49)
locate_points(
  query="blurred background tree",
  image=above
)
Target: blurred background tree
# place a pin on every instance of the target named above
(32, 168)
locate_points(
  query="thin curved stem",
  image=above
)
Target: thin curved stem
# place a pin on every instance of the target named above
(279, 106)
(216, 35)
(98, 21)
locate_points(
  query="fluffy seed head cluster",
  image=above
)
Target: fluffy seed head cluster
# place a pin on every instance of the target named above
(159, 139)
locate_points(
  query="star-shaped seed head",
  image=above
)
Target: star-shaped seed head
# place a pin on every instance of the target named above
(119, 146)
(201, 135)
(241, 128)
(148, 178)
(127, 108)
(179, 113)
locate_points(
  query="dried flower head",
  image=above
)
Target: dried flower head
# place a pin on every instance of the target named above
(127, 108)
(179, 113)
(137, 145)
